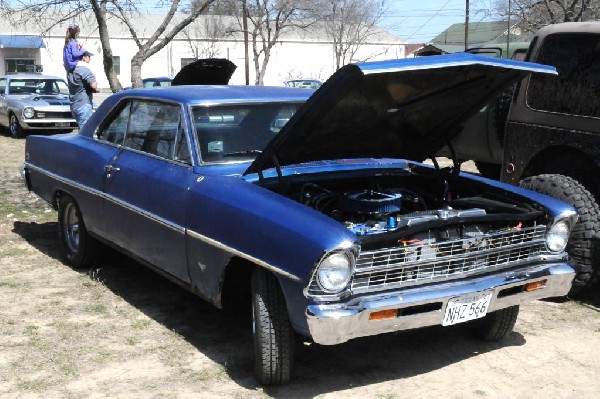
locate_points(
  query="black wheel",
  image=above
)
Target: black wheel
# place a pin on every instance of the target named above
(496, 325)
(273, 334)
(489, 170)
(14, 127)
(80, 249)
(581, 246)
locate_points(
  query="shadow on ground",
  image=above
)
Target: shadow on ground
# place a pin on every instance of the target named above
(225, 337)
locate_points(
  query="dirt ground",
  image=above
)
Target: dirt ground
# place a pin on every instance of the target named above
(120, 331)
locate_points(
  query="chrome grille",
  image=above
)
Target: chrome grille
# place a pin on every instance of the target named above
(54, 114)
(429, 261)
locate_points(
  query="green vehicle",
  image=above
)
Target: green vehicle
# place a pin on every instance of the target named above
(516, 50)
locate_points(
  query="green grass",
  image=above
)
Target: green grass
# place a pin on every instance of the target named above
(9, 284)
(96, 308)
(140, 324)
(12, 252)
(36, 385)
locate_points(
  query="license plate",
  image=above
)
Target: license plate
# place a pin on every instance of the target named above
(62, 124)
(467, 307)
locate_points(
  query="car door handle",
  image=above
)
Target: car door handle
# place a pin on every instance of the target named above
(110, 169)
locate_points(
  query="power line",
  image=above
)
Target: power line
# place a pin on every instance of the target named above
(421, 27)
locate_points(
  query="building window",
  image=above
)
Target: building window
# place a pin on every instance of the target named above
(117, 64)
(19, 66)
(187, 61)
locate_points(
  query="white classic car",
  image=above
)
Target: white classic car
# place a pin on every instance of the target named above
(35, 102)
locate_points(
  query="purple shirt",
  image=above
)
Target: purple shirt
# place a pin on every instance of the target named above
(71, 55)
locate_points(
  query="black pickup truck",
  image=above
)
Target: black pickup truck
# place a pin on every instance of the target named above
(544, 134)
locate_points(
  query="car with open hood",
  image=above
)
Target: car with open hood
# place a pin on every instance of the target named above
(312, 206)
(30, 102)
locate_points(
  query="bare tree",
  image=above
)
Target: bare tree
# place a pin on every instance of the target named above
(203, 36)
(50, 12)
(100, 9)
(350, 24)
(161, 37)
(267, 20)
(531, 15)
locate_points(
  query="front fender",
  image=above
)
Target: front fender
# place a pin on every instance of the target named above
(229, 216)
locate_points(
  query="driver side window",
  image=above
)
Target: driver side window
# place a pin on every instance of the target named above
(152, 127)
(114, 132)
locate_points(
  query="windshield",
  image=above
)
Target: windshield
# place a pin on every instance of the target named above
(239, 132)
(38, 86)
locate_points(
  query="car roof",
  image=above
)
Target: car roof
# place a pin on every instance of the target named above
(210, 95)
(30, 76)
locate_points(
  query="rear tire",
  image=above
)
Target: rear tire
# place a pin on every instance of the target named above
(81, 250)
(496, 325)
(273, 334)
(581, 246)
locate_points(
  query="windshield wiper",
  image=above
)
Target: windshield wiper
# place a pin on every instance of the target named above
(242, 153)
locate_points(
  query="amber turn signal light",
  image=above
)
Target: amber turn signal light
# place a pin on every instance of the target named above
(535, 285)
(384, 314)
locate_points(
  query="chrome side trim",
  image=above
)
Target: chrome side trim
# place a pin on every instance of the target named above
(173, 226)
(241, 254)
(155, 218)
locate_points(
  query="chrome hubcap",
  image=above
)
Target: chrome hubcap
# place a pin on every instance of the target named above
(71, 228)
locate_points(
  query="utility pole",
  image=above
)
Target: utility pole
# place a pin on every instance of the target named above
(508, 32)
(246, 56)
(467, 25)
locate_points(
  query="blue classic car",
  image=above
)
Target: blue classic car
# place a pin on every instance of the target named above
(30, 102)
(312, 206)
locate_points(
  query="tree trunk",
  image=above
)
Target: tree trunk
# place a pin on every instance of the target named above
(107, 57)
(136, 69)
(257, 77)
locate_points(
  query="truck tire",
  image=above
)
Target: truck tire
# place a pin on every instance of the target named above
(496, 325)
(274, 338)
(581, 246)
(81, 250)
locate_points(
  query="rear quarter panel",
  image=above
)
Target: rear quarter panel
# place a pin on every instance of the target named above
(71, 164)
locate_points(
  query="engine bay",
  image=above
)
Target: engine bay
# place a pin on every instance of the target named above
(380, 204)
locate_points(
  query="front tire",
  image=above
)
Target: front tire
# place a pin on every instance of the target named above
(272, 331)
(581, 242)
(14, 127)
(496, 325)
(80, 248)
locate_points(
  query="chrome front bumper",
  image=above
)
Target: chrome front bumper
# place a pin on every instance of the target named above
(424, 306)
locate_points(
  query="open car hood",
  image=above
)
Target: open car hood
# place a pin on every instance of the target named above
(209, 71)
(407, 108)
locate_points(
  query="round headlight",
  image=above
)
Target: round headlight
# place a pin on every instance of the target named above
(334, 272)
(28, 112)
(558, 236)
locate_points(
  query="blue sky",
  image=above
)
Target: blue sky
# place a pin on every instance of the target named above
(419, 21)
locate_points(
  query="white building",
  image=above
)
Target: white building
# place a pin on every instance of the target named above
(300, 54)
